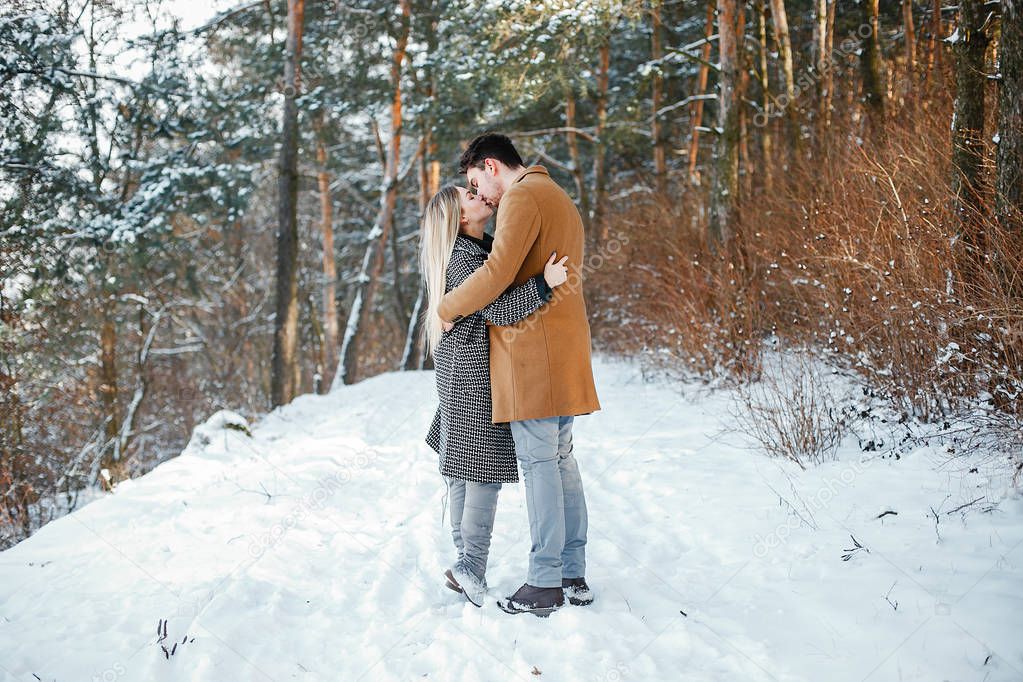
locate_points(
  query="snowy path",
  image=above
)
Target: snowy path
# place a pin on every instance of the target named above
(315, 549)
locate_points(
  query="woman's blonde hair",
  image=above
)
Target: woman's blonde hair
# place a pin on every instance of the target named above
(440, 227)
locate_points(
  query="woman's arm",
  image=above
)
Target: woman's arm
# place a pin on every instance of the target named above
(518, 302)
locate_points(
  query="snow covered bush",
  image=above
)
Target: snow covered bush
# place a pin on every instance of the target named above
(791, 410)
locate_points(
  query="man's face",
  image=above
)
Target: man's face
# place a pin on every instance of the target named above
(485, 182)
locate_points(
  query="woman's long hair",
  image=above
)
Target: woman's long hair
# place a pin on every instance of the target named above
(440, 227)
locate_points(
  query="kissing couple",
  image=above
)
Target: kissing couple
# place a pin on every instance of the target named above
(506, 325)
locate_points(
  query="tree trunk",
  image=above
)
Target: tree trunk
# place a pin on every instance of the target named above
(656, 96)
(724, 193)
(410, 355)
(745, 163)
(822, 66)
(701, 88)
(870, 68)
(108, 385)
(345, 371)
(126, 431)
(321, 350)
(1009, 180)
(765, 103)
(598, 223)
(820, 35)
(828, 78)
(283, 387)
(413, 334)
(934, 45)
(968, 115)
(380, 235)
(909, 35)
(784, 40)
(15, 503)
(414, 353)
(328, 352)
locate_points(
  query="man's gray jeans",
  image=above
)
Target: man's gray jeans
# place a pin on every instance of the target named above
(473, 507)
(554, 500)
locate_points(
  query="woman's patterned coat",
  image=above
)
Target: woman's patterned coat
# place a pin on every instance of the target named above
(470, 446)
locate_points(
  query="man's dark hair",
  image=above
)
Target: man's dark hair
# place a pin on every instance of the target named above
(489, 146)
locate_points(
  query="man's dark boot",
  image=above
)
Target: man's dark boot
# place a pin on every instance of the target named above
(577, 591)
(540, 601)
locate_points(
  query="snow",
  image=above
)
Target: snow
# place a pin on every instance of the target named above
(14, 286)
(314, 549)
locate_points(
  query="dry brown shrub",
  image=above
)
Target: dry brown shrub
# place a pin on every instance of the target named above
(858, 254)
(668, 298)
(870, 262)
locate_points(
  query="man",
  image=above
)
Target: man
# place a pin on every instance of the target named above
(540, 370)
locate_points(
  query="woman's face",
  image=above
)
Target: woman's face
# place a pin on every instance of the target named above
(474, 209)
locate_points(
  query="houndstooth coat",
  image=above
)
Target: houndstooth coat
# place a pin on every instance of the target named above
(470, 446)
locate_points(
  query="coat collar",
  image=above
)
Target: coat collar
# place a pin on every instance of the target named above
(483, 244)
(530, 169)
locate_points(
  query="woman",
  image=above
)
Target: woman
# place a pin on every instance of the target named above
(476, 455)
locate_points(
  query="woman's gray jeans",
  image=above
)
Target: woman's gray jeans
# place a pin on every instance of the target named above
(473, 507)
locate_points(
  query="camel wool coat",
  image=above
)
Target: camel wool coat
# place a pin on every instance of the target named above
(540, 366)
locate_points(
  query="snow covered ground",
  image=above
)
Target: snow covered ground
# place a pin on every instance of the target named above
(315, 550)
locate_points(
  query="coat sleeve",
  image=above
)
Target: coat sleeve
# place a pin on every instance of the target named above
(514, 305)
(518, 225)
